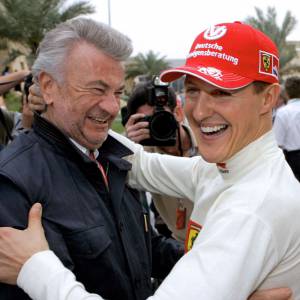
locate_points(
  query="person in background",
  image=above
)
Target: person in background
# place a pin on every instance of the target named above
(156, 119)
(287, 125)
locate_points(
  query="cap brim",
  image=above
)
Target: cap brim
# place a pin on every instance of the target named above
(224, 80)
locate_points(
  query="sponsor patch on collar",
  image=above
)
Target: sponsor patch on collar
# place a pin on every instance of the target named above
(222, 167)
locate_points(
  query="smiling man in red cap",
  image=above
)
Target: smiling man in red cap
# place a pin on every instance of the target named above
(230, 68)
(244, 230)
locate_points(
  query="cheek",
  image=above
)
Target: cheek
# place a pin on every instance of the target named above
(73, 115)
(187, 113)
(188, 109)
(63, 110)
(81, 105)
(244, 121)
(188, 106)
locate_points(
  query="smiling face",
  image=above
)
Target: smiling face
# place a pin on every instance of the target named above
(85, 105)
(225, 121)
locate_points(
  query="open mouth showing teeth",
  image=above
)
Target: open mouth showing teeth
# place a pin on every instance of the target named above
(98, 120)
(214, 129)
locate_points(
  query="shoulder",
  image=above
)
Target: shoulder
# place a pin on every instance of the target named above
(282, 111)
(293, 106)
(18, 152)
(273, 195)
(8, 114)
(8, 117)
(125, 141)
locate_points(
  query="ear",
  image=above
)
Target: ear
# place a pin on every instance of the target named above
(47, 87)
(178, 113)
(270, 97)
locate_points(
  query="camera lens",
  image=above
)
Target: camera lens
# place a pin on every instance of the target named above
(163, 125)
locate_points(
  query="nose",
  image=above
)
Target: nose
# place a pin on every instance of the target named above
(204, 107)
(110, 103)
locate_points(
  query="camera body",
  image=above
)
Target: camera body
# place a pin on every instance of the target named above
(28, 82)
(162, 124)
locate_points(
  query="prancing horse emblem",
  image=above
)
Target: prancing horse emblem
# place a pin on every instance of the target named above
(266, 62)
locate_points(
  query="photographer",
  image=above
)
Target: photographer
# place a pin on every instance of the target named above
(155, 120)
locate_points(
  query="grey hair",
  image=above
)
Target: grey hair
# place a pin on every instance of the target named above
(57, 43)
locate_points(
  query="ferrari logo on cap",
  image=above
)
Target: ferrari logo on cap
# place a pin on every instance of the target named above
(268, 64)
(214, 32)
(266, 59)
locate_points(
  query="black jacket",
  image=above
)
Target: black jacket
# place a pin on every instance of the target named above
(101, 236)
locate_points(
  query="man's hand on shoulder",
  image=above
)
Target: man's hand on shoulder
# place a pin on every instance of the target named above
(17, 246)
(272, 294)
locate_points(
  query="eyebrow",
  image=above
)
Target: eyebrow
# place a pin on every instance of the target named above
(99, 82)
(104, 84)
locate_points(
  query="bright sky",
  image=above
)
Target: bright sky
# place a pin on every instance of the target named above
(168, 27)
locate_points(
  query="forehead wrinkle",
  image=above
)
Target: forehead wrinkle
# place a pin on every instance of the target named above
(103, 84)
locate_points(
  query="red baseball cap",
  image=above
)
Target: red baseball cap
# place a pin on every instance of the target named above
(230, 56)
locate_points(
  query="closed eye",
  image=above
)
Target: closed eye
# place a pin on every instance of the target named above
(99, 90)
(119, 93)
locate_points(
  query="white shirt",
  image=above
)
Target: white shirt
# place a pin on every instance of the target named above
(287, 125)
(248, 210)
(85, 150)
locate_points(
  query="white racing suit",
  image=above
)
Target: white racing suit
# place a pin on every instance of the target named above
(244, 232)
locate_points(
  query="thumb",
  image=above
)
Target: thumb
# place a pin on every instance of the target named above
(35, 216)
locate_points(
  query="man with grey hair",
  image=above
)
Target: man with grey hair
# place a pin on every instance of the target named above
(92, 220)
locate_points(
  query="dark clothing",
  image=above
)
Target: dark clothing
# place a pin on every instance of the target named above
(101, 236)
(293, 159)
(10, 126)
(7, 122)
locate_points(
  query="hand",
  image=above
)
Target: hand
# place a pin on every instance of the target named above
(27, 114)
(137, 131)
(35, 99)
(2, 103)
(17, 246)
(272, 294)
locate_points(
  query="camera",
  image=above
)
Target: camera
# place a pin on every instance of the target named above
(27, 84)
(162, 124)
